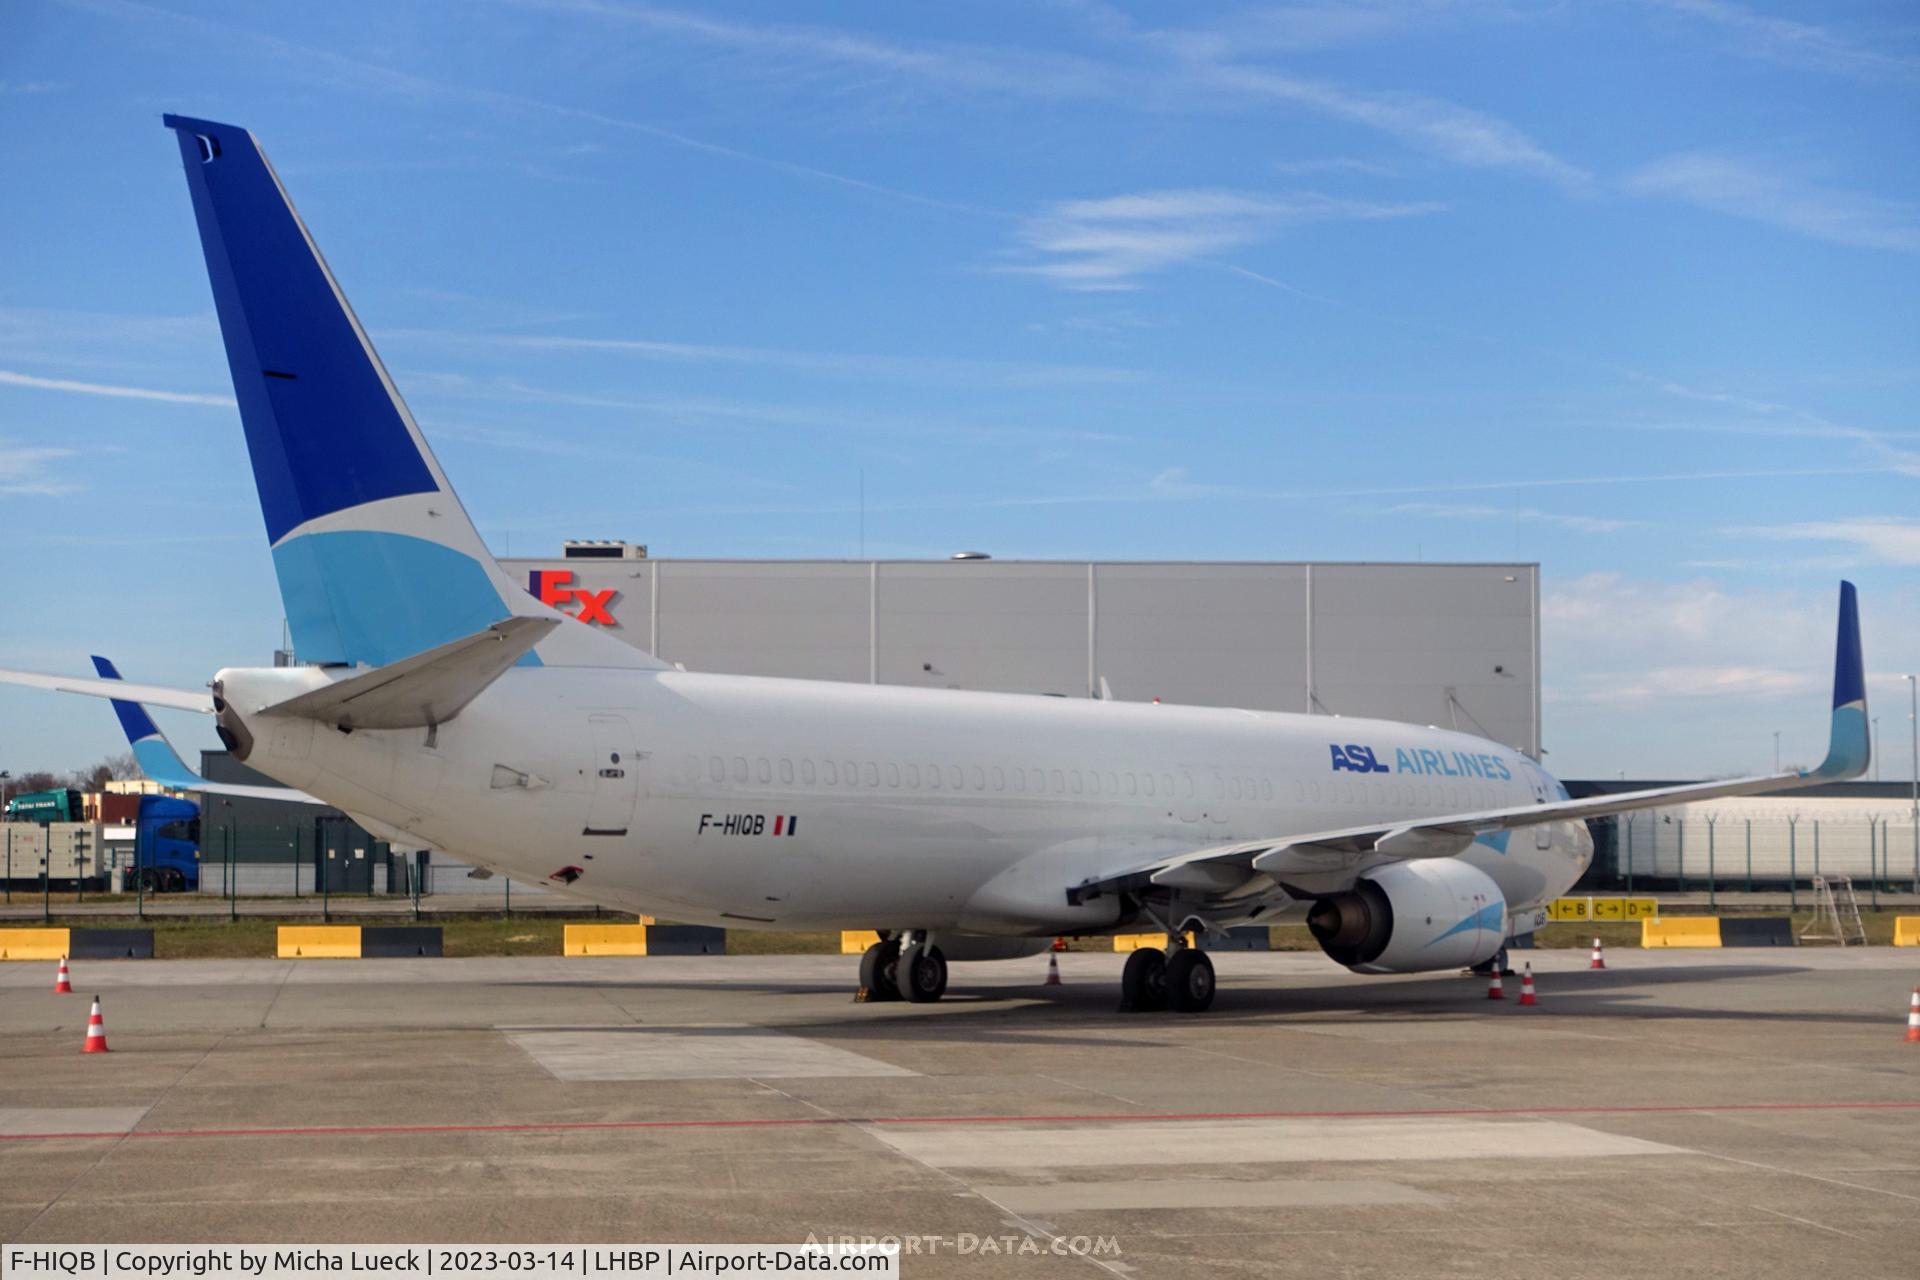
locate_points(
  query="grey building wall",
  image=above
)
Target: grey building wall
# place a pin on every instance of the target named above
(1455, 645)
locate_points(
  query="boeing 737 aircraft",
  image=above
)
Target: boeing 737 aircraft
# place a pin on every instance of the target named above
(454, 709)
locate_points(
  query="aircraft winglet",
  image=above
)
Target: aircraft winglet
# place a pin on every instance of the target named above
(1850, 743)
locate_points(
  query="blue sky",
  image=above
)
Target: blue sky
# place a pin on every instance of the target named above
(1625, 288)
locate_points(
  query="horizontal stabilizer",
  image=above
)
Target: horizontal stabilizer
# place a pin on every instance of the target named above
(152, 694)
(427, 689)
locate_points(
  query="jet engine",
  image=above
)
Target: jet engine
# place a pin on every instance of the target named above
(1405, 917)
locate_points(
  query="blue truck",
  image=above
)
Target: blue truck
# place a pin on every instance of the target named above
(167, 845)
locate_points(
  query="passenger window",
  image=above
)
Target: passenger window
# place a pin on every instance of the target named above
(1166, 785)
(1037, 781)
(1059, 781)
(851, 772)
(979, 778)
(717, 769)
(763, 769)
(786, 770)
(1133, 784)
(871, 773)
(1188, 779)
(933, 776)
(1219, 786)
(953, 776)
(1093, 781)
(1020, 780)
(1073, 781)
(806, 772)
(832, 773)
(1146, 783)
(739, 768)
(913, 776)
(999, 778)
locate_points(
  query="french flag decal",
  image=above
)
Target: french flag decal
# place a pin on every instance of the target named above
(791, 823)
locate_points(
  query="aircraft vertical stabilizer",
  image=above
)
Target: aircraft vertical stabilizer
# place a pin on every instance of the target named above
(376, 558)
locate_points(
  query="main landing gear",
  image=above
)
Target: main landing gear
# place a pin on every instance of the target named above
(1152, 980)
(907, 967)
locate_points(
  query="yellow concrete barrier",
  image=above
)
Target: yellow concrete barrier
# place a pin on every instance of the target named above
(1681, 931)
(1906, 931)
(855, 941)
(604, 940)
(1136, 941)
(33, 944)
(319, 942)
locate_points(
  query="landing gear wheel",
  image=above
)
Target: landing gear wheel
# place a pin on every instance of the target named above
(1143, 982)
(1190, 981)
(879, 967)
(922, 974)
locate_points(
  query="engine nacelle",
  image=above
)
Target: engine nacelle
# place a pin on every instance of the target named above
(1407, 917)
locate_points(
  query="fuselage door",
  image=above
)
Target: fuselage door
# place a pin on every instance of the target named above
(615, 774)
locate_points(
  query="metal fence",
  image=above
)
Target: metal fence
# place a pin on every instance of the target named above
(315, 863)
(1714, 854)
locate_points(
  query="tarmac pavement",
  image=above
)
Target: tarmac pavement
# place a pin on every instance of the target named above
(1716, 1113)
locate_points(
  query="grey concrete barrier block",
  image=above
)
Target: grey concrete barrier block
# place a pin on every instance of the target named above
(685, 940)
(386, 942)
(110, 944)
(1756, 931)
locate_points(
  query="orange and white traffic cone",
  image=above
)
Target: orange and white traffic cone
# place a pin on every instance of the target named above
(1599, 960)
(1060, 944)
(1526, 985)
(1913, 1018)
(96, 1030)
(1053, 971)
(62, 985)
(1494, 991)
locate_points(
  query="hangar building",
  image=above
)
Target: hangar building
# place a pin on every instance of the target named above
(1453, 645)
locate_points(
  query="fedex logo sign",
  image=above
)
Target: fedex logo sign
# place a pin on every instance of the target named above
(549, 587)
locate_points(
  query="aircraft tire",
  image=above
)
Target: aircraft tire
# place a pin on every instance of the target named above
(879, 970)
(1143, 982)
(1190, 981)
(922, 974)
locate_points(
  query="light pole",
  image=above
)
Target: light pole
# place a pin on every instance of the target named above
(1776, 751)
(1876, 748)
(1913, 722)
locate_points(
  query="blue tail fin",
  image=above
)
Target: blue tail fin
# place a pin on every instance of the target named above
(155, 755)
(375, 556)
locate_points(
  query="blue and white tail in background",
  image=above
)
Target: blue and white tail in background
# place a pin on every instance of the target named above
(376, 558)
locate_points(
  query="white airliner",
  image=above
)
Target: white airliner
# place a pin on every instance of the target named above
(448, 705)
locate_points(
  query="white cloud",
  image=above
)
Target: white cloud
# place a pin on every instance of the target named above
(1526, 515)
(25, 470)
(1433, 125)
(1791, 42)
(1109, 243)
(831, 364)
(1887, 539)
(12, 379)
(1747, 190)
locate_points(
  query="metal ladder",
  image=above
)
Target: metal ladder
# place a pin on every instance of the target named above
(1836, 912)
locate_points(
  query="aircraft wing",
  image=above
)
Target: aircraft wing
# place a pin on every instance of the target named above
(158, 759)
(1325, 860)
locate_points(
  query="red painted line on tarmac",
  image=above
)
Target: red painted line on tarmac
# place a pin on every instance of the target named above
(818, 1122)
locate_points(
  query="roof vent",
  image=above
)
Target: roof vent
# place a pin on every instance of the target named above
(602, 549)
